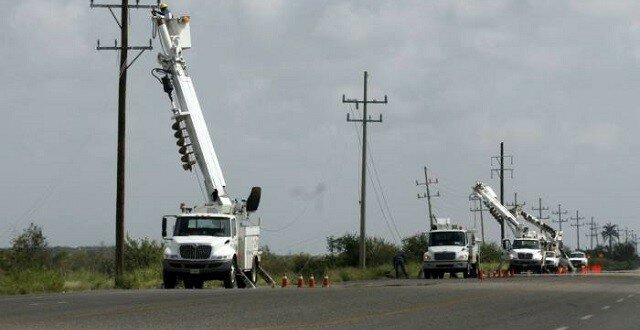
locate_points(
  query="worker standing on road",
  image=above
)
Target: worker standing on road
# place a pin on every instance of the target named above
(398, 264)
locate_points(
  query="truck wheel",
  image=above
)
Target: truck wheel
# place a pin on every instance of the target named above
(198, 284)
(230, 278)
(169, 280)
(252, 274)
(427, 274)
(474, 270)
(188, 283)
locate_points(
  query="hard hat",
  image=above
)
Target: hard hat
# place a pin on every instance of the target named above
(163, 5)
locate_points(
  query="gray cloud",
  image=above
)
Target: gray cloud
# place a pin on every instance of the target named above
(555, 79)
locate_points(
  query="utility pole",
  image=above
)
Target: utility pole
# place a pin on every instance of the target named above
(626, 234)
(500, 171)
(515, 201)
(123, 24)
(363, 180)
(541, 208)
(427, 182)
(577, 225)
(592, 232)
(560, 213)
(477, 207)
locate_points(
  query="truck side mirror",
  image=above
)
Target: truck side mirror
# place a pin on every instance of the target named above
(506, 244)
(164, 227)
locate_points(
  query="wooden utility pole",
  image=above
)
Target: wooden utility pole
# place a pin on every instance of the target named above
(427, 182)
(578, 224)
(541, 208)
(478, 208)
(515, 201)
(560, 213)
(500, 171)
(123, 23)
(363, 179)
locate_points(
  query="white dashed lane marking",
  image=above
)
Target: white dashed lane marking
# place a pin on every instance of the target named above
(629, 296)
(562, 328)
(606, 307)
(586, 317)
(620, 300)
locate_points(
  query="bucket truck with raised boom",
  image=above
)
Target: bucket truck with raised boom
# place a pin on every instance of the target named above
(217, 240)
(527, 250)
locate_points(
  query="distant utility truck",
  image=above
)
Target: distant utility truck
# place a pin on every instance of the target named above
(451, 249)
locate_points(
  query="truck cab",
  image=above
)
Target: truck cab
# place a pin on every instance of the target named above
(525, 254)
(578, 259)
(451, 249)
(208, 246)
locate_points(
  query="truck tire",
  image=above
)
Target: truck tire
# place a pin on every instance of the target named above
(230, 278)
(169, 280)
(198, 284)
(474, 270)
(427, 275)
(188, 283)
(252, 274)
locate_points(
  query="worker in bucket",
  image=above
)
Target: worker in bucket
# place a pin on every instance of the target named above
(398, 264)
(165, 12)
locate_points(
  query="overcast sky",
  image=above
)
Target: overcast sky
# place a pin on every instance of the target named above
(558, 81)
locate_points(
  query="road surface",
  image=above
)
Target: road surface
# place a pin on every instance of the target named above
(606, 301)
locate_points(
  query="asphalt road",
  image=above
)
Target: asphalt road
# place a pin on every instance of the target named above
(606, 301)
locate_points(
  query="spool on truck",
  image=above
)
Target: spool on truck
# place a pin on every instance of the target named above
(216, 240)
(527, 251)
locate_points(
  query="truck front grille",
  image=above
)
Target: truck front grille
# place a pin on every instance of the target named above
(190, 251)
(525, 256)
(444, 256)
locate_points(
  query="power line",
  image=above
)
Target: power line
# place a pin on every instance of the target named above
(363, 181)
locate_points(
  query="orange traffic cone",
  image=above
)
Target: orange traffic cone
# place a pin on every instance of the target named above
(312, 281)
(300, 281)
(285, 281)
(325, 281)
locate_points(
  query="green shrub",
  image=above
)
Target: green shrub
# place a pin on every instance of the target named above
(414, 246)
(344, 251)
(490, 253)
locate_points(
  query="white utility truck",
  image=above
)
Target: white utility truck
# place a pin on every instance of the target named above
(452, 250)
(579, 259)
(527, 251)
(217, 240)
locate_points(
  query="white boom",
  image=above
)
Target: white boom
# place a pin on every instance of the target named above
(501, 213)
(191, 129)
(550, 237)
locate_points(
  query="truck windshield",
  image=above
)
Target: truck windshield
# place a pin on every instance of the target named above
(447, 238)
(526, 244)
(577, 255)
(202, 226)
(550, 255)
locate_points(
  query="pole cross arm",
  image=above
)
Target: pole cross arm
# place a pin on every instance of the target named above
(369, 120)
(92, 4)
(116, 47)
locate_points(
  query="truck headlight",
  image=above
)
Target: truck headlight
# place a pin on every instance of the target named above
(513, 255)
(426, 256)
(463, 256)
